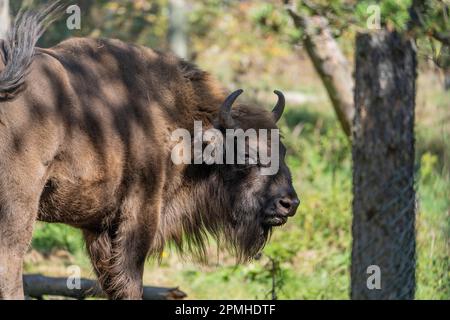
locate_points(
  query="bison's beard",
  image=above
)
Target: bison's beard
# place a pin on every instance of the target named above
(240, 230)
(191, 218)
(248, 235)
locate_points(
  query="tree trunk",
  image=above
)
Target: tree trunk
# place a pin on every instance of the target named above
(444, 63)
(37, 286)
(383, 167)
(447, 80)
(331, 65)
(177, 36)
(4, 18)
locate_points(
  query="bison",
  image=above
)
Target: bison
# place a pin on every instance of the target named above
(85, 140)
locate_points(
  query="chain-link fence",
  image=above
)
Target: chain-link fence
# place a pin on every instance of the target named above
(384, 203)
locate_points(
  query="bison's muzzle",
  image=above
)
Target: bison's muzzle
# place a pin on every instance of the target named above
(281, 209)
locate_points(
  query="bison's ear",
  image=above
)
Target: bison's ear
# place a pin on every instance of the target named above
(225, 118)
(279, 108)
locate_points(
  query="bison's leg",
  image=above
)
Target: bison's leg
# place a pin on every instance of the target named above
(16, 225)
(119, 254)
(119, 261)
(19, 202)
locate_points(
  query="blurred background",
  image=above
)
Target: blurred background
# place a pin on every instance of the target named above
(256, 46)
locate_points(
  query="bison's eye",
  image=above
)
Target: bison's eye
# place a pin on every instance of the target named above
(245, 162)
(251, 159)
(255, 161)
(264, 165)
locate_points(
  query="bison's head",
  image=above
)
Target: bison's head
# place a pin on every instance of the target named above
(261, 192)
(238, 188)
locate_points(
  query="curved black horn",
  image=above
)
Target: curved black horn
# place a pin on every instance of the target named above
(279, 108)
(225, 109)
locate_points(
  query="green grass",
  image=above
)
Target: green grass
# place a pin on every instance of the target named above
(433, 272)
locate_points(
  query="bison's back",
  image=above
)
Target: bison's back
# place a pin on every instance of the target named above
(108, 101)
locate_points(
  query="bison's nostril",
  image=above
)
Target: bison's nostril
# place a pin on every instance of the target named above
(287, 206)
(285, 203)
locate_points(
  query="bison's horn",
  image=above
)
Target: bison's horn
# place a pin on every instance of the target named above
(279, 108)
(225, 110)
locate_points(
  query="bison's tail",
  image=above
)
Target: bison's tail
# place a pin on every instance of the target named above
(18, 50)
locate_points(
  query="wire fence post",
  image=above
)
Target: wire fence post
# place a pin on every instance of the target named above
(383, 252)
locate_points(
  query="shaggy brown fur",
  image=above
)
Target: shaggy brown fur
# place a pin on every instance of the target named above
(85, 140)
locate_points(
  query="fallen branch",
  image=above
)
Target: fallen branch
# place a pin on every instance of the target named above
(37, 286)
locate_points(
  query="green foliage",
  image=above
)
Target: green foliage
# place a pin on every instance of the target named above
(49, 237)
(434, 16)
(138, 21)
(393, 13)
(270, 19)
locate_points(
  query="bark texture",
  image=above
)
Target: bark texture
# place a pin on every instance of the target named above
(331, 65)
(4, 18)
(383, 160)
(178, 35)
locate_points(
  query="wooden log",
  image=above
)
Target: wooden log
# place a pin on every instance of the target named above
(37, 286)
